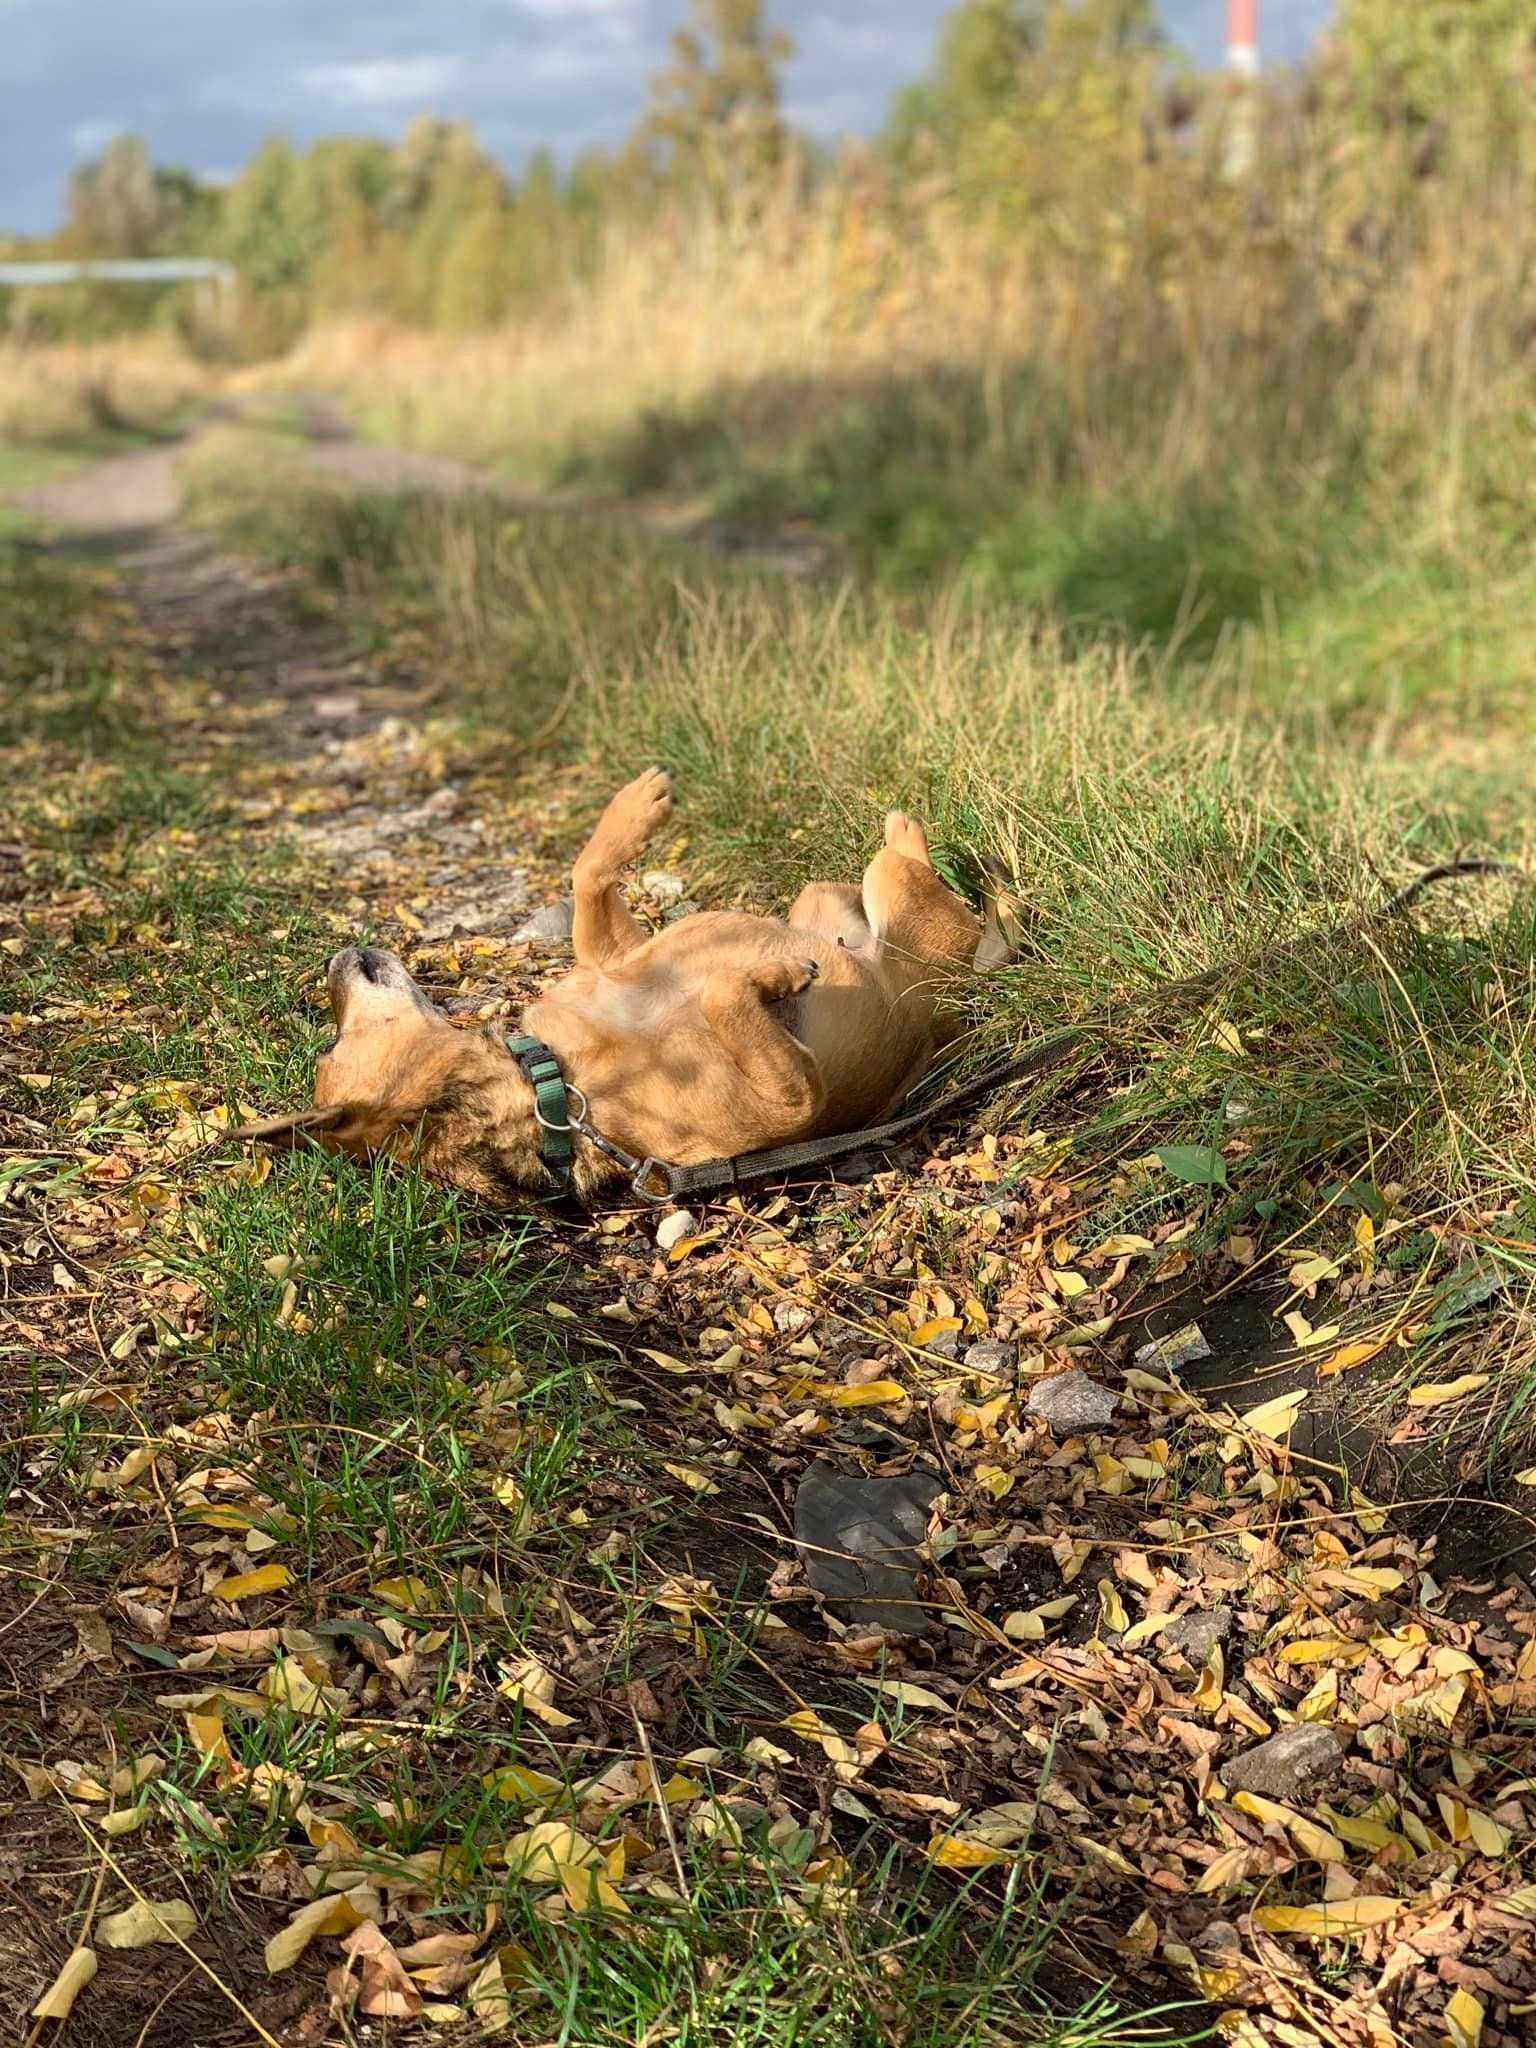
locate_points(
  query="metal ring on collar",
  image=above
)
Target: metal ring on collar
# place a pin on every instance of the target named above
(574, 1121)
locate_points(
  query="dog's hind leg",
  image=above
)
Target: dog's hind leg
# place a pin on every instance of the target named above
(603, 930)
(924, 936)
(783, 1078)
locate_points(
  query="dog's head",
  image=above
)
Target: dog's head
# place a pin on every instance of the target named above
(400, 1079)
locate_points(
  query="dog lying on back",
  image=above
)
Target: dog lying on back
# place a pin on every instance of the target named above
(721, 1035)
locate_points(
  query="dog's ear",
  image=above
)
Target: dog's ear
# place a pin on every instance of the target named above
(286, 1131)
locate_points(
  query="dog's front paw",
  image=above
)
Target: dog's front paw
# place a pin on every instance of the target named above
(780, 979)
(635, 815)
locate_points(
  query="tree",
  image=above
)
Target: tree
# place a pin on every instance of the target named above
(474, 279)
(1023, 92)
(715, 110)
(272, 229)
(1461, 66)
(114, 204)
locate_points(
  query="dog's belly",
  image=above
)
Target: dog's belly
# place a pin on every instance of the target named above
(636, 1040)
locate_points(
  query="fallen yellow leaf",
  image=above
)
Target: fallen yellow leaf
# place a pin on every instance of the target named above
(1112, 1612)
(517, 1782)
(1276, 1418)
(58, 2001)
(1312, 1840)
(1463, 2019)
(908, 1695)
(143, 1922)
(410, 1595)
(333, 1913)
(1228, 1869)
(270, 1578)
(925, 1333)
(1437, 1392)
(872, 1394)
(1323, 1923)
(1348, 1356)
(541, 1854)
(955, 1852)
(1323, 1650)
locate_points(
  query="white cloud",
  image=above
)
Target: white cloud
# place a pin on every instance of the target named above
(87, 137)
(385, 81)
(564, 10)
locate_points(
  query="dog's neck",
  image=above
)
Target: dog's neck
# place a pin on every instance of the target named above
(495, 1149)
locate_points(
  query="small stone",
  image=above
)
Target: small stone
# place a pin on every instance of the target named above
(791, 1317)
(551, 926)
(945, 1345)
(1289, 1767)
(1070, 1401)
(1179, 1347)
(665, 887)
(673, 1229)
(337, 705)
(687, 908)
(1194, 1636)
(992, 1357)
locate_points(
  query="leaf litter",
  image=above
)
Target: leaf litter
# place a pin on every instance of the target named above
(1047, 1725)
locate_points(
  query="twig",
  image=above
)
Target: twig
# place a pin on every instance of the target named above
(661, 1802)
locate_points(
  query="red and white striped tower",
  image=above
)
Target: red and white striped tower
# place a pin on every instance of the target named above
(1243, 65)
(1243, 38)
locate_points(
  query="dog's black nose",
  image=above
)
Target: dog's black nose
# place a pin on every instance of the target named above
(371, 962)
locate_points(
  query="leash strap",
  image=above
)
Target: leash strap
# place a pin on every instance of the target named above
(711, 1174)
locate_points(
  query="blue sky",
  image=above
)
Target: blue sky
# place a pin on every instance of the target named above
(205, 80)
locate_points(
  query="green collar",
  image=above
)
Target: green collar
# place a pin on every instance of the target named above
(551, 1104)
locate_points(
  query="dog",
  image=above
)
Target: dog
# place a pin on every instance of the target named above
(722, 1034)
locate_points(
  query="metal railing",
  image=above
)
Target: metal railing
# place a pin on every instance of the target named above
(123, 270)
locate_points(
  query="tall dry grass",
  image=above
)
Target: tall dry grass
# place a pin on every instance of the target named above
(58, 392)
(1167, 310)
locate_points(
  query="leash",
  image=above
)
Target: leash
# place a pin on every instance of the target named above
(659, 1182)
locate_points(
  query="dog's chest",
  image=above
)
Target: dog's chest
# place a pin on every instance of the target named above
(590, 1004)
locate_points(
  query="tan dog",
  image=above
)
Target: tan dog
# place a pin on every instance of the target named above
(722, 1034)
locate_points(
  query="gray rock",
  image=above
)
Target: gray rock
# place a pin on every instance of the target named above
(478, 905)
(1289, 1767)
(1194, 1636)
(945, 1345)
(1179, 1347)
(990, 1356)
(1070, 1401)
(687, 908)
(550, 926)
(791, 1317)
(665, 887)
(859, 1539)
(673, 1229)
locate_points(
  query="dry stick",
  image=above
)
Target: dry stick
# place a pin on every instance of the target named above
(661, 1802)
(110, 1862)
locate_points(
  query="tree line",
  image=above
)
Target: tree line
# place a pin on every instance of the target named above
(1023, 103)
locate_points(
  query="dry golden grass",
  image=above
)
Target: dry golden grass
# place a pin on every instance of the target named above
(68, 391)
(1157, 305)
